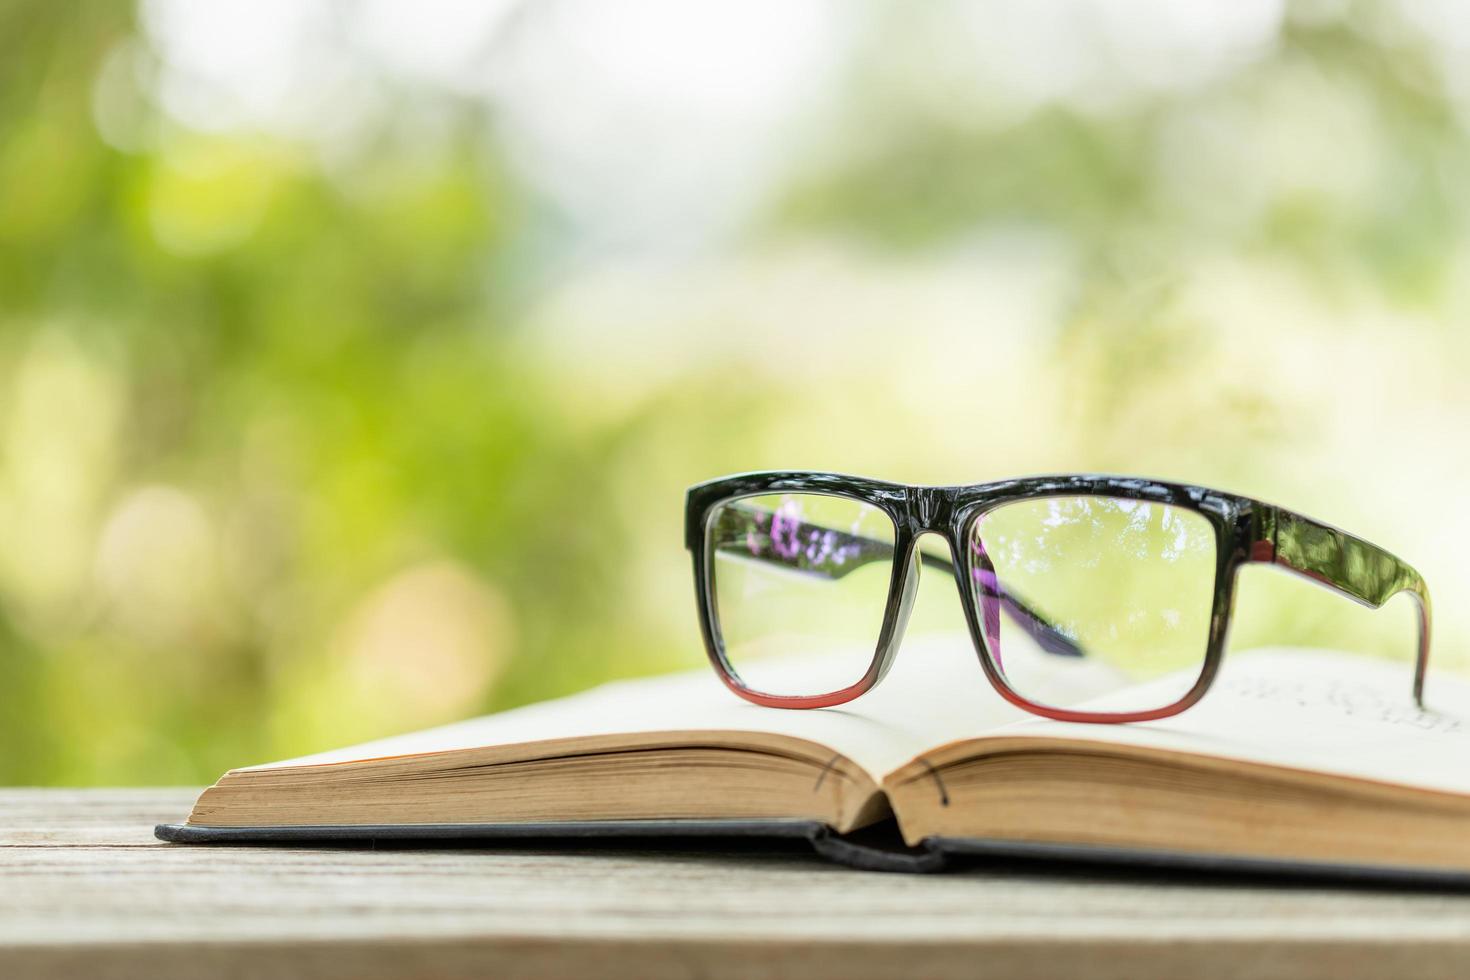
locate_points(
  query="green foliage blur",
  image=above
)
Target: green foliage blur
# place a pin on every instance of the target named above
(304, 442)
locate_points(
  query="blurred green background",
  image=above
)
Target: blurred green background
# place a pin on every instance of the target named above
(354, 358)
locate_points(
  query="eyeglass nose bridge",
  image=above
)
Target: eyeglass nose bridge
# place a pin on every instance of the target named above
(930, 509)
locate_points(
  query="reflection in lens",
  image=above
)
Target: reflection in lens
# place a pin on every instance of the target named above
(799, 584)
(1130, 582)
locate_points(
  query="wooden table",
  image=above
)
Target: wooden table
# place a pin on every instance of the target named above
(86, 891)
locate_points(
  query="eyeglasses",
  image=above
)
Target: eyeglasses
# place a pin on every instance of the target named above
(1088, 598)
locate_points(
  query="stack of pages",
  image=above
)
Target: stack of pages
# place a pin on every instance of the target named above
(1295, 759)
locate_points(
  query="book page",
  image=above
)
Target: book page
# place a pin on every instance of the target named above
(936, 692)
(1320, 710)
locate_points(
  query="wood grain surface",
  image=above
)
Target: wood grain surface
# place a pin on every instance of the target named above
(86, 891)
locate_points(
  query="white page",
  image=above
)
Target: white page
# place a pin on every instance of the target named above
(936, 692)
(1320, 710)
(1317, 710)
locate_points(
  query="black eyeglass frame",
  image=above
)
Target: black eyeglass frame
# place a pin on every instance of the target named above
(1247, 531)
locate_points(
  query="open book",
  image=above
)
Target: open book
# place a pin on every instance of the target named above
(1295, 758)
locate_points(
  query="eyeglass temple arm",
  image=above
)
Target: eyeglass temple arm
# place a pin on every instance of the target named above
(1358, 569)
(766, 535)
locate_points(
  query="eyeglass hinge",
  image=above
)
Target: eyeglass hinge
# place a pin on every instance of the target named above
(1263, 537)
